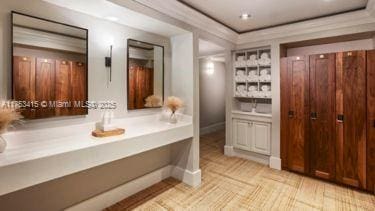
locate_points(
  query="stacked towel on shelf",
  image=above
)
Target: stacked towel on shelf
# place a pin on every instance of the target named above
(240, 62)
(241, 91)
(265, 75)
(253, 91)
(266, 91)
(252, 76)
(264, 59)
(252, 61)
(240, 76)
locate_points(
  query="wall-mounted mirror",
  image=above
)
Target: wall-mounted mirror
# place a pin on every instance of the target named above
(49, 67)
(145, 75)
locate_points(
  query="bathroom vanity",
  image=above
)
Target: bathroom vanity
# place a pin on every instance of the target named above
(51, 153)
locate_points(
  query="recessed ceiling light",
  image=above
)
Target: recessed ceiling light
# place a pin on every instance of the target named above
(245, 16)
(111, 18)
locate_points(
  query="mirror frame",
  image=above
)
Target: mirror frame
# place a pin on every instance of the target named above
(56, 22)
(127, 73)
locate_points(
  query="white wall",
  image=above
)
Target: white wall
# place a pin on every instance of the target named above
(101, 34)
(211, 94)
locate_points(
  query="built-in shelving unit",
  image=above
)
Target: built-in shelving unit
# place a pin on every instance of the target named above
(252, 73)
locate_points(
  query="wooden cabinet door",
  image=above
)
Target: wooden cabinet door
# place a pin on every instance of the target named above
(45, 87)
(351, 118)
(298, 113)
(322, 115)
(24, 82)
(63, 86)
(261, 137)
(79, 88)
(241, 136)
(371, 121)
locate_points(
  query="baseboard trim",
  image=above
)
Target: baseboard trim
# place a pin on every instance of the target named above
(115, 195)
(191, 178)
(212, 128)
(275, 163)
(229, 151)
(259, 158)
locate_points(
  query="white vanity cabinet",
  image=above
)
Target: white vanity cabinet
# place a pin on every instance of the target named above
(252, 133)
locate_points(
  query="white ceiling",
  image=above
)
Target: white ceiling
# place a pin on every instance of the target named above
(266, 13)
(207, 48)
(104, 9)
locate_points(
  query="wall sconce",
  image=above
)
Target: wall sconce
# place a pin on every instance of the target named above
(108, 63)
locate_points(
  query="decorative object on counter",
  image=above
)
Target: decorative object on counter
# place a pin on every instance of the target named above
(107, 121)
(264, 59)
(265, 75)
(252, 60)
(240, 76)
(153, 101)
(8, 116)
(173, 104)
(103, 134)
(241, 91)
(252, 76)
(106, 128)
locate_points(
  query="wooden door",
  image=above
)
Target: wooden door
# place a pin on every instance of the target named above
(79, 88)
(351, 118)
(261, 137)
(371, 121)
(24, 83)
(45, 87)
(63, 87)
(241, 136)
(322, 115)
(284, 104)
(297, 104)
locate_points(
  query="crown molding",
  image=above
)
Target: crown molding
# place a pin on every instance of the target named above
(181, 12)
(346, 20)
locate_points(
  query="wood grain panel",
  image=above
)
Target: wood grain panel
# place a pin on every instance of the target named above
(284, 112)
(351, 133)
(298, 127)
(63, 86)
(45, 86)
(141, 84)
(371, 121)
(24, 82)
(79, 88)
(322, 115)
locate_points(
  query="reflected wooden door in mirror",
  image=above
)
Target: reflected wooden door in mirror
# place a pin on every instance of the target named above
(145, 75)
(49, 67)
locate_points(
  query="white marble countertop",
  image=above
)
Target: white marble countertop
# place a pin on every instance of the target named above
(37, 156)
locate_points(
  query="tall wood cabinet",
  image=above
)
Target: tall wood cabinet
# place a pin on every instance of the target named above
(327, 120)
(322, 115)
(295, 106)
(351, 118)
(371, 121)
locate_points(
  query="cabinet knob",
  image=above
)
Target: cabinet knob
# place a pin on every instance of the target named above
(291, 114)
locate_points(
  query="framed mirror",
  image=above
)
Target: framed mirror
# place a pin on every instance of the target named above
(49, 67)
(145, 74)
